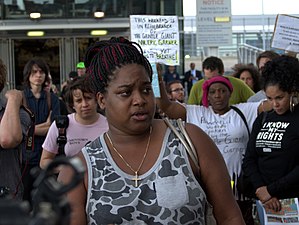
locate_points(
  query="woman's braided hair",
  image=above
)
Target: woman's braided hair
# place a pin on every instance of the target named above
(104, 57)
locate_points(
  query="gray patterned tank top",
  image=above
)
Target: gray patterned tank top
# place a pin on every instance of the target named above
(167, 194)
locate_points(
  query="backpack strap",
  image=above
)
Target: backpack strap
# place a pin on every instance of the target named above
(49, 103)
(242, 117)
(29, 142)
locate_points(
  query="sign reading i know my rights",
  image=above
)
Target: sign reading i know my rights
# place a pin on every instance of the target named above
(158, 37)
(286, 33)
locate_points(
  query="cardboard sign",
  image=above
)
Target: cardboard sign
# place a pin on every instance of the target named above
(286, 33)
(158, 36)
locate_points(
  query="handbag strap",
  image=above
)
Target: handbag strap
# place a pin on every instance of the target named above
(185, 139)
(242, 117)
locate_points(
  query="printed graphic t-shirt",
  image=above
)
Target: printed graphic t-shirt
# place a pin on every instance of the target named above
(77, 135)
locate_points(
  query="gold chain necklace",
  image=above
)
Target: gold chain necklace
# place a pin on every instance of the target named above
(136, 177)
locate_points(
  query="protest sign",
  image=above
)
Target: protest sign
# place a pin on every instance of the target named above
(286, 33)
(158, 37)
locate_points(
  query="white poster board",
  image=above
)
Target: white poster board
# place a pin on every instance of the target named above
(286, 33)
(213, 23)
(158, 37)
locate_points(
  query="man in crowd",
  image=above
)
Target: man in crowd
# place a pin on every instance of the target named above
(81, 70)
(211, 67)
(192, 76)
(15, 123)
(175, 91)
(170, 74)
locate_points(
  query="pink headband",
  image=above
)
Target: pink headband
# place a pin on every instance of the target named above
(206, 85)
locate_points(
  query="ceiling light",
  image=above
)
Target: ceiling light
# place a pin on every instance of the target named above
(35, 33)
(99, 14)
(98, 32)
(35, 15)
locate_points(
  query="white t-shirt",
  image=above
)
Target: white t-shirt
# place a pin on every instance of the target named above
(77, 135)
(228, 131)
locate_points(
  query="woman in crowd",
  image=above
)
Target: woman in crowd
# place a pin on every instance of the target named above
(249, 74)
(138, 172)
(228, 126)
(261, 60)
(213, 66)
(85, 123)
(271, 159)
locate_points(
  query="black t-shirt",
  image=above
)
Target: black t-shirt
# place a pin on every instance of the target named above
(272, 155)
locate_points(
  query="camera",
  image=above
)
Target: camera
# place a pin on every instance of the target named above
(49, 203)
(62, 121)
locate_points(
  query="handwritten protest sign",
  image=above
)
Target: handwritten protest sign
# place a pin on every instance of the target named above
(286, 33)
(158, 37)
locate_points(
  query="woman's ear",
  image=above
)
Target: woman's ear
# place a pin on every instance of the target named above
(101, 100)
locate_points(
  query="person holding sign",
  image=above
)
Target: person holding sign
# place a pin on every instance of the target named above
(228, 126)
(271, 159)
(138, 172)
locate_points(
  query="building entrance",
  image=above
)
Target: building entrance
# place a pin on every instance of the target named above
(47, 49)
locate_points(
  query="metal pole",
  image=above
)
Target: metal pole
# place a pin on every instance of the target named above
(263, 21)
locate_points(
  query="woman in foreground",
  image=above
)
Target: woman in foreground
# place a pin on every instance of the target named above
(138, 172)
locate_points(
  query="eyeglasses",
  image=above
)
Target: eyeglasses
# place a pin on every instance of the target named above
(178, 90)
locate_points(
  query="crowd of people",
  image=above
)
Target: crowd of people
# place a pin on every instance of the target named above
(137, 171)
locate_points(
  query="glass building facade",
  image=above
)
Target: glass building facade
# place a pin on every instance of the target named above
(251, 34)
(66, 27)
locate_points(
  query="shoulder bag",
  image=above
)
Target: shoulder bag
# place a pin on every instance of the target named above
(183, 136)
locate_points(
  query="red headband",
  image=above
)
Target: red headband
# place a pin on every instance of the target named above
(206, 85)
